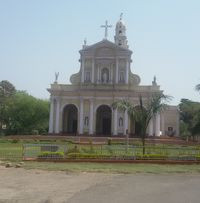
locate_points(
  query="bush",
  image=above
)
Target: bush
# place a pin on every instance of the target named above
(34, 132)
(109, 141)
(14, 141)
(43, 132)
(53, 155)
(73, 150)
(152, 157)
(86, 156)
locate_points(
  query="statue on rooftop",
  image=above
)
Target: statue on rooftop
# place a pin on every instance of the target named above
(56, 77)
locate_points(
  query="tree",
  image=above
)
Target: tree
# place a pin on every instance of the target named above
(7, 92)
(6, 89)
(142, 114)
(197, 87)
(190, 116)
(27, 114)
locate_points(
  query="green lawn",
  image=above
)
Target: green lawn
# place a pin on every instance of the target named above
(13, 151)
(113, 168)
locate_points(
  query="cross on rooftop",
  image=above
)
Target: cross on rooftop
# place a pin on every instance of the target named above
(106, 26)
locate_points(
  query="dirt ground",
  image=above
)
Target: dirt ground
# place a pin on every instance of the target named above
(20, 185)
(39, 186)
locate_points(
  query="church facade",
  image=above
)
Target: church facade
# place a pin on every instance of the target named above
(84, 107)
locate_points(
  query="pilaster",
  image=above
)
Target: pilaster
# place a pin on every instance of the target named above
(51, 130)
(81, 117)
(117, 71)
(57, 115)
(91, 119)
(115, 122)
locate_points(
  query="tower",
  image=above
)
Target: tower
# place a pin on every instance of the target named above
(120, 34)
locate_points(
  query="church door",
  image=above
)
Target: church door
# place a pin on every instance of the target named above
(70, 119)
(103, 120)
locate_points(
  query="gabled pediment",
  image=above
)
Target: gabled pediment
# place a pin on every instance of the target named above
(105, 44)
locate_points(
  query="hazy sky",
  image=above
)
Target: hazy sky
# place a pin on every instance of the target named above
(41, 37)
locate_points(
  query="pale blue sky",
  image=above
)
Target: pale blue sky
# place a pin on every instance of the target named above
(39, 37)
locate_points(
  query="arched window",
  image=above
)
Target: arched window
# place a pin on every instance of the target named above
(105, 75)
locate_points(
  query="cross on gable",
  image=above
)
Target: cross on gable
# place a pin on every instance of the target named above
(106, 26)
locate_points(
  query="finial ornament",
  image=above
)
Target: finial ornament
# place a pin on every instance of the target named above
(121, 15)
(106, 26)
(56, 77)
(154, 81)
(85, 42)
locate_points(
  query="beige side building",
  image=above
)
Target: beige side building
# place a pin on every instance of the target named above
(84, 106)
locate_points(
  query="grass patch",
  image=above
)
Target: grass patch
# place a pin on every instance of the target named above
(113, 168)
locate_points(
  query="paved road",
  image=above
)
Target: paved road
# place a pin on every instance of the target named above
(143, 188)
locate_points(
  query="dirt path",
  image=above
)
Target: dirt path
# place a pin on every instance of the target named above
(37, 186)
(20, 185)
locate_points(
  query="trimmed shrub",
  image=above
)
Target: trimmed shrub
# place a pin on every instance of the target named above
(53, 155)
(151, 157)
(86, 156)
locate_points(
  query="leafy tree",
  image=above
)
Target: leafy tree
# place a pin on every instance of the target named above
(7, 92)
(184, 130)
(27, 114)
(197, 87)
(142, 114)
(190, 117)
(6, 89)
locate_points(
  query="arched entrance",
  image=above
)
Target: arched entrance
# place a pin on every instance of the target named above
(70, 119)
(103, 120)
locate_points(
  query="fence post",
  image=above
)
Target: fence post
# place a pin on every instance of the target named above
(22, 151)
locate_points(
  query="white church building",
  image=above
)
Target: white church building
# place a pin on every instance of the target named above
(84, 107)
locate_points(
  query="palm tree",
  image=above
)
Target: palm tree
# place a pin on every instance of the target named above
(197, 87)
(143, 113)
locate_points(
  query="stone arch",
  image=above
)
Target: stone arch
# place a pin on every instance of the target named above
(70, 119)
(103, 120)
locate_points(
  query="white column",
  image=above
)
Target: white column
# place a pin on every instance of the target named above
(97, 74)
(127, 71)
(57, 116)
(125, 122)
(51, 130)
(157, 128)
(111, 74)
(117, 71)
(93, 63)
(150, 128)
(81, 117)
(82, 70)
(91, 119)
(115, 122)
(162, 123)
